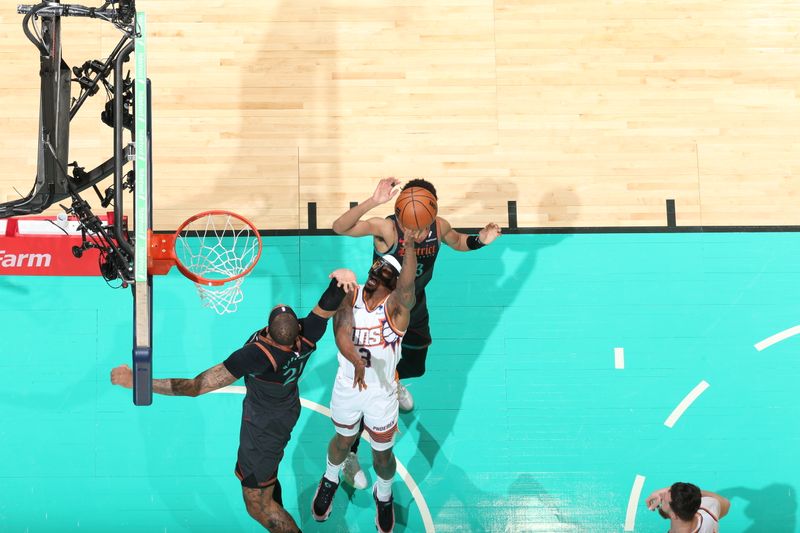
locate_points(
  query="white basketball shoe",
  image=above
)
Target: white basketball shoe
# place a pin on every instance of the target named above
(404, 398)
(352, 473)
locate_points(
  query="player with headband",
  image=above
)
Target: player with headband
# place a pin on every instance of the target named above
(366, 391)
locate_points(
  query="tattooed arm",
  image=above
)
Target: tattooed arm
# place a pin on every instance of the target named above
(403, 297)
(343, 323)
(214, 378)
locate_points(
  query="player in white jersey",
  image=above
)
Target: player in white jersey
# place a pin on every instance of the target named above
(368, 334)
(689, 509)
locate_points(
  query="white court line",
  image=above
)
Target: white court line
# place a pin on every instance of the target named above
(633, 502)
(778, 337)
(685, 403)
(427, 519)
(231, 389)
(619, 358)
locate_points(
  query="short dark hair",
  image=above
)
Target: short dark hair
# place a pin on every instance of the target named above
(418, 182)
(284, 329)
(685, 500)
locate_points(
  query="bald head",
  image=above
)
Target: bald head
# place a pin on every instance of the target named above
(283, 326)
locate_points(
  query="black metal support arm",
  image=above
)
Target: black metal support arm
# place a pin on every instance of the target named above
(119, 147)
(52, 183)
(100, 76)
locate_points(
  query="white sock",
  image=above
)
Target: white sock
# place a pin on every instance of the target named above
(332, 471)
(383, 487)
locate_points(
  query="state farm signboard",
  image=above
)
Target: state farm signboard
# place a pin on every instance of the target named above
(42, 246)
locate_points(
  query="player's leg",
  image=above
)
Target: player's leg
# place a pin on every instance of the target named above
(414, 353)
(262, 491)
(277, 492)
(415, 343)
(385, 468)
(412, 365)
(380, 420)
(261, 505)
(352, 473)
(262, 441)
(338, 448)
(346, 415)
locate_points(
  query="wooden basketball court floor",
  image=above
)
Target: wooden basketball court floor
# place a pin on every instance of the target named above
(557, 362)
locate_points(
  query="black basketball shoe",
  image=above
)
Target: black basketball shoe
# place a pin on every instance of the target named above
(384, 519)
(323, 499)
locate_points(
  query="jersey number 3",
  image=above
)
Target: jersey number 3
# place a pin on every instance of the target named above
(366, 356)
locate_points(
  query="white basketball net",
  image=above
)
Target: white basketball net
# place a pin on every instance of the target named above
(217, 247)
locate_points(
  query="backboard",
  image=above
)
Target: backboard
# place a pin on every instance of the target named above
(143, 224)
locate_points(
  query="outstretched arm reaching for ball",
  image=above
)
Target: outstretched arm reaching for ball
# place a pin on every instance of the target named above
(463, 242)
(403, 297)
(314, 325)
(209, 380)
(345, 281)
(350, 222)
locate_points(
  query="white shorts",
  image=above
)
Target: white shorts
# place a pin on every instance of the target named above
(377, 405)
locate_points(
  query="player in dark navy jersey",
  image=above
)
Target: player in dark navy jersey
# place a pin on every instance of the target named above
(271, 361)
(387, 234)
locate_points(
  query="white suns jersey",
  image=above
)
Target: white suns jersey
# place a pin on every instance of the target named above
(377, 341)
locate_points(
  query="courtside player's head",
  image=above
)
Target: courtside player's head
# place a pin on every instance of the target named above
(684, 502)
(283, 326)
(383, 273)
(425, 184)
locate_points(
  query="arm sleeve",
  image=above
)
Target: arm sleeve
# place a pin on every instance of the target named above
(314, 327)
(246, 360)
(332, 297)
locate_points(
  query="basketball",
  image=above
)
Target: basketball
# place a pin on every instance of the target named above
(416, 208)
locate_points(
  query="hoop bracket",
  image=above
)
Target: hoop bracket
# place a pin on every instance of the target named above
(161, 256)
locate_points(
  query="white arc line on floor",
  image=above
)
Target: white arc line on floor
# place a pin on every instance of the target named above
(633, 502)
(685, 403)
(619, 358)
(427, 519)
(778, 337)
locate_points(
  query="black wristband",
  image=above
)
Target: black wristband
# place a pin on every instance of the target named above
(474, 242)
(332, 297)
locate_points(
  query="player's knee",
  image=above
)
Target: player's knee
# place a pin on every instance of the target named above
(412, 369)
(342, 442)
(272, 520)
(264, 511)
(412, 364)
(415, 371)
(253, 508)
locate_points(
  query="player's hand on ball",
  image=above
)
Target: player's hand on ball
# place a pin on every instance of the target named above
(412, 236)
(385, 190)
(345, 279)
(489, 233)
(358, 378)
(122, 376)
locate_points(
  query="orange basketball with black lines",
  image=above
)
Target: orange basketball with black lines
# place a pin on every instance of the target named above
(416, 208)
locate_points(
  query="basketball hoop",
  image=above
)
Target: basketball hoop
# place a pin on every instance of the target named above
(216, 250)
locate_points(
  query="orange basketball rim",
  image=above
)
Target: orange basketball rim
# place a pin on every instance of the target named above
(215, 249)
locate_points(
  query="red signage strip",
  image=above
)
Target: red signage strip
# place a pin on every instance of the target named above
(42, 246)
